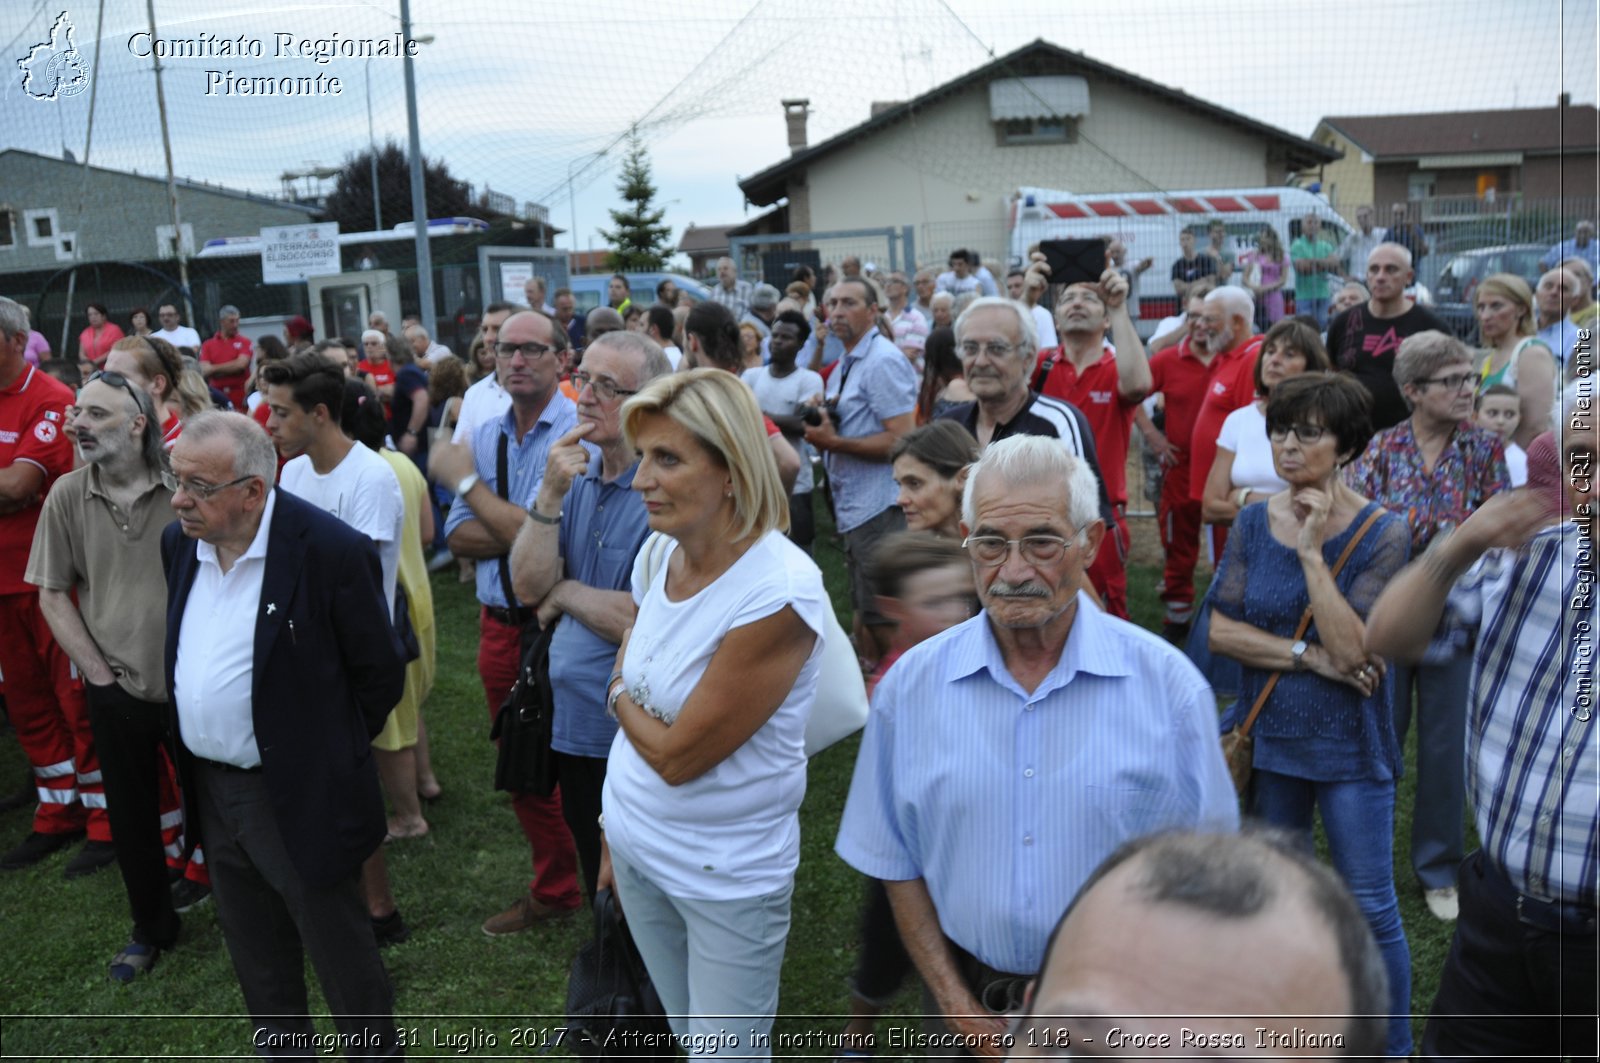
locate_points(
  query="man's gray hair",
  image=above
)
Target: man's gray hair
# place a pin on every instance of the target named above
(1405, 252)
(419, 330)
(13, 319)
(372, 334)
(1022, 460)
(653, 361)
(253, 452)
(1237, 302)
(936, 296)
(1028, 334)
(227, 310)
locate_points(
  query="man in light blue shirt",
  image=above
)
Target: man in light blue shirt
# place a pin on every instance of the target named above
(1006, 758)
(573, 560)
(870, 401)
(1582, 245)
(483, 523)
(1554, 298)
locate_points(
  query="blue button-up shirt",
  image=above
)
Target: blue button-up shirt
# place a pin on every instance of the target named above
(1560, 336)
(524, 465)
(1003, 801)
(602, 527)
(873, 383)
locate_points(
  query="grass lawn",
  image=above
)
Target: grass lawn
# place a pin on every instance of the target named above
(455, 987)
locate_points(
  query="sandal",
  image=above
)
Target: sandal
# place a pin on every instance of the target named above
(134, 959)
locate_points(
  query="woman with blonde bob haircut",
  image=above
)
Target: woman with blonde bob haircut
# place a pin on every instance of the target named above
(1513, 355)
(713, 687)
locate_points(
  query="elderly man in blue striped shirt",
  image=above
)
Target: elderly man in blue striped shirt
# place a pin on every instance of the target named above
(1520, 979)
(1006, 758)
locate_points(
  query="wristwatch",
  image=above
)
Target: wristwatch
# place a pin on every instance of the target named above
(468, 482)
(1298, 652)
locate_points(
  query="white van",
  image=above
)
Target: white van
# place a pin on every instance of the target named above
(1148, 224)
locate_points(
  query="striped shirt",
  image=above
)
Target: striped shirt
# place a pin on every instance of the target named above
(1531, 749)
(1044, 416)
(1002, 801)
(525, 467)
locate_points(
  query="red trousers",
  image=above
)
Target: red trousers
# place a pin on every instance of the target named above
(44, 698)
(1109, 572)
(555, 857)
(1178, 518)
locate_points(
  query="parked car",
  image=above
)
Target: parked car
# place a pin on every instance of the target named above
(1455, 290)
(591, 290)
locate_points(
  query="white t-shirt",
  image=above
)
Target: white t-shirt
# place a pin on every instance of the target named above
(734, 832)
(674, 355)
(182, 336)
(363, 492)
(1517, 464)
(1245, 433)
(780, 395)
(484, 401)
(1045, 326)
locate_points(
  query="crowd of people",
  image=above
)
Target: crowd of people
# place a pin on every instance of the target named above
(1041, 810)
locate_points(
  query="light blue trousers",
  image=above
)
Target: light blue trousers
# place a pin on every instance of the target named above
(715, 964)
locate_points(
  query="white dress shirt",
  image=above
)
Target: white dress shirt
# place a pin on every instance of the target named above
(484, 401)
(213, 678)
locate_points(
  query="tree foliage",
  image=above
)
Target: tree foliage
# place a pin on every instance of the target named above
(350, 203)
(638, 238)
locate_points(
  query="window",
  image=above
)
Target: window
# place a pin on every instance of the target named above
(67, 247)
(8, 228)
(41, 227)
(1016, 131)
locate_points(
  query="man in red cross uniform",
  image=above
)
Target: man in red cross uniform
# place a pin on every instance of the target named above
(44, 696)
(1106, 383)
(1227, 322)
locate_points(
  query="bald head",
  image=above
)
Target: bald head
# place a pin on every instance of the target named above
(601, 320)
(1211, 925)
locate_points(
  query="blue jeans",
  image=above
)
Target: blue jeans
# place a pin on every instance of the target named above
(1358, 817)
(1317, 308)
(1438, 831)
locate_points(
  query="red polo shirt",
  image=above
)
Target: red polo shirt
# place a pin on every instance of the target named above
(1096, 393)
(1182, 378)
(219, 350)
(1233, 384)
(32, 416)
(380, 373)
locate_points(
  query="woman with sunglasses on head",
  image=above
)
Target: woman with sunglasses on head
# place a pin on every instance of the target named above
(154, 365)
(1436, 468)
(1324, 737)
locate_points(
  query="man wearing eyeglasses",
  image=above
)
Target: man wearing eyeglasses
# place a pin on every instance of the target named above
(225, 357)
(97, 563)
(282, 665)
(43, 698)
(490, 509)
(1004, 759)
(574, 557)
(1364, 340)
(173, 330)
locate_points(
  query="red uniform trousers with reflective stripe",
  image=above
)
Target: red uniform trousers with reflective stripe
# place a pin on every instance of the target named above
(1178, 517)
(171, 804)
(555, 856)
(1108, 574)
(44, 699)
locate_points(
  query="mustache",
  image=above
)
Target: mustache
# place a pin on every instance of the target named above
(1002, 589)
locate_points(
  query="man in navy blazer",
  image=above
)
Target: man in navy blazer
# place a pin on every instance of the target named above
(282, 665)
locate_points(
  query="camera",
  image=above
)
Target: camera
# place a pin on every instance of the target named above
(812, 415)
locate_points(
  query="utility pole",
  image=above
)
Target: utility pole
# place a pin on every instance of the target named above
(419, 198)
(172, 185)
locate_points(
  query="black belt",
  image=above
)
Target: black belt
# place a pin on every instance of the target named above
(509, 617)
(232, 769)
(998, 991)
(1556, 917)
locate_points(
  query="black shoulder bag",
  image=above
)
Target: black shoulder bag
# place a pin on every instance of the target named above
(613, 1011)
(526, 764)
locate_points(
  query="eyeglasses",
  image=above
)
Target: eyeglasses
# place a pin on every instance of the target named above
(972, 348)
(604, 390)
(1453, 382)
(205, 492)
(530, 350)
(1035, 549)
(1305, 433)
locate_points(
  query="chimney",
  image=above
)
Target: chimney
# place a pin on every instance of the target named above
(1565, 100)
(795, 113)
(879, 106)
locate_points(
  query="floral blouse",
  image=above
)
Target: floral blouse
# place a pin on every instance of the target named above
(1470, 469)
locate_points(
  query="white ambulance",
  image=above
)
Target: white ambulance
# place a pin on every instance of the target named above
(1148, 224)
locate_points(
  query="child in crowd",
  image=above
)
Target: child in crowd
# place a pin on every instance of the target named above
(1499, 410)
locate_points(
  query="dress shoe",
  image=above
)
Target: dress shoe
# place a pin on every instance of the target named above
(522, 915)
(186, 893)
(91, 858)
(36, 847)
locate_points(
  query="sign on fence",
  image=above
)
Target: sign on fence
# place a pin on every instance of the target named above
(291, 253)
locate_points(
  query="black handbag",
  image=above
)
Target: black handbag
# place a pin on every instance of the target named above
(613, 1011)
(526, 764)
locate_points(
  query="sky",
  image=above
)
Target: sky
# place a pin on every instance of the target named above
(534, 100)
